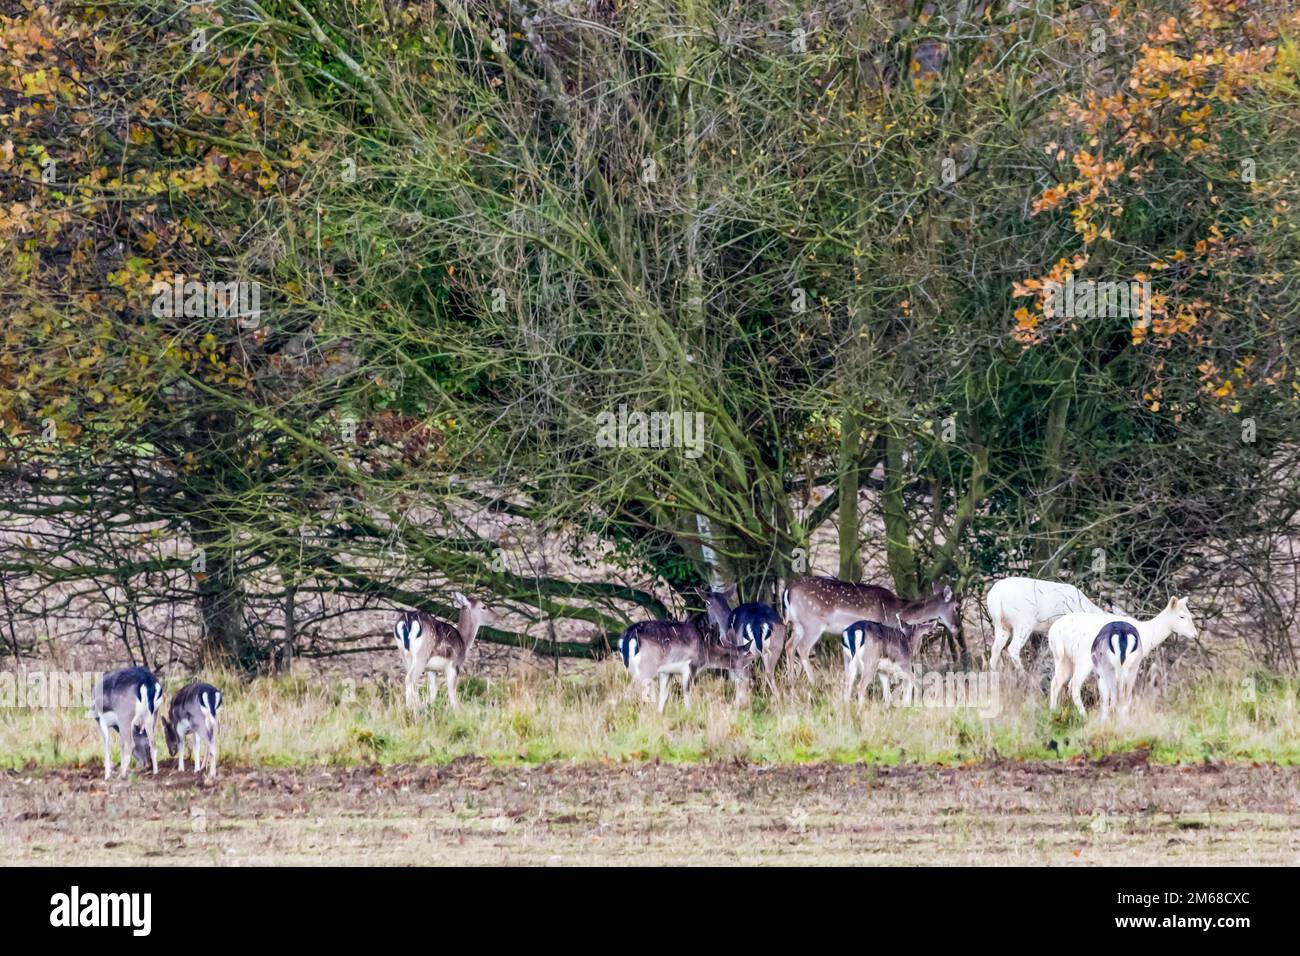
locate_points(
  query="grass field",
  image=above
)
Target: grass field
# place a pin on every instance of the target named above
(592, 717)
(538, 770)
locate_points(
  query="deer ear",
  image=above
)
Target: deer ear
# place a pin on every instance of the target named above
(934, 586)
(459, 600)
(947, 593)
(1173, 603)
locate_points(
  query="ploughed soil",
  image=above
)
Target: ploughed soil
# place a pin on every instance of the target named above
(1121, 810)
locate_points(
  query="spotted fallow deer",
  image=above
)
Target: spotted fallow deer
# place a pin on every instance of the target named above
(815, 605)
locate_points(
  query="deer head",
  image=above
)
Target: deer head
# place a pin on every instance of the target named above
(473, 615)
(1179, 613)
(718, 608)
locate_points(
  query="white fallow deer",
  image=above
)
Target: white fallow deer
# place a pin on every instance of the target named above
(428, 644)
(1115, 652)
(127, 701)
(668, 649)
(815, 605)
(1021, 607)
(1072, 636)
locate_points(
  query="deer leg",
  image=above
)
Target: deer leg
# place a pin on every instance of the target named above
(198, 751)
(769, 670)
(742, 690)
(1060, 677)
(451, 686)
(870, 670)
(413, 688)
(1081, 673)
(108, 748)
(1127, 685)
(805, 653)
(772, 652)
(684, 678)
(1018, 641)
(127, 735)
(850, 675)
(663, 691)
(212, 753)
(1000, 638)
(431, 679)
(793, 649)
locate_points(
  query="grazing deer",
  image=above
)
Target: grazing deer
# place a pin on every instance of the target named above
(1115, 650)
(873, 648)
(815, 605)
(753, 624)
(1072, 636)
(428, 644)
(668, 649)
(194, 710)
(127, 700)
(1021, 607)
(736, 660)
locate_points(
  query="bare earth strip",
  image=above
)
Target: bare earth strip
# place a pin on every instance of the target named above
(1118, 811)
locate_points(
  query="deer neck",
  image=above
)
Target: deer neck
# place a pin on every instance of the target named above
(719, 610)
(468, 625)
(1155, 631)
(920, 612)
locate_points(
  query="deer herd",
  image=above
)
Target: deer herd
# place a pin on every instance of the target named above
(880, 635)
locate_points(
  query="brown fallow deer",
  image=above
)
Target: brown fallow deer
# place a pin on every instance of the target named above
(428, 644)
(752, 624)
(816, 605)
(668, 649)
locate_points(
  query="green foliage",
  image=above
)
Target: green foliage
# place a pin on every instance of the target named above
(825, 230)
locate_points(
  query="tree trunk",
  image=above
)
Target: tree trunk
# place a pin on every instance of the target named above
(850, 476)
(898, 538)
(290, 628)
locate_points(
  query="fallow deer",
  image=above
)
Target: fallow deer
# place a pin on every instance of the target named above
(874, 648)
(668, 649)
(1071, 639)
(1115, 651)
(754, 624)
(815, 605)
(428, 644)
(194, 709)
(127, 701)
(1021, 607)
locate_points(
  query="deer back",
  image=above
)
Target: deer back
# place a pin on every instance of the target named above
(434, 639)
